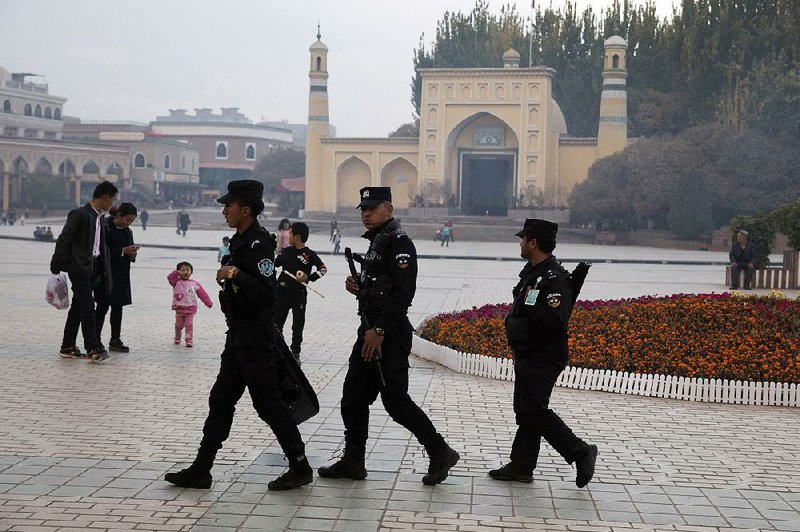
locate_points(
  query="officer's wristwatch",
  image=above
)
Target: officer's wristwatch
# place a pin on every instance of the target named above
(379, 331)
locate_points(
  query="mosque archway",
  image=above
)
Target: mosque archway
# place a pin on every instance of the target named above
(351, 176)
(481, 165)
(402, 176)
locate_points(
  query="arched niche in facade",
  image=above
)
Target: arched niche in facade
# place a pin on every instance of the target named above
(351, 176)
(43, 166)
(115, 169)
(67, 168)
(90, 168)
(20, 166)
(402, 177)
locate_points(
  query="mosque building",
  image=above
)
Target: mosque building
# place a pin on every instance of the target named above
(489, 139)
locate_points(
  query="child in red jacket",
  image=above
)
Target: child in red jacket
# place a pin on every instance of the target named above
(185, 292)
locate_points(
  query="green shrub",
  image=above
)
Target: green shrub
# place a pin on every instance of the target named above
(787, 220)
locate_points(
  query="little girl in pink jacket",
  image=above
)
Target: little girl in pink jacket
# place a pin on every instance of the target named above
(185, 292)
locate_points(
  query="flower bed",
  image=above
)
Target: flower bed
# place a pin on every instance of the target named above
(705, 336)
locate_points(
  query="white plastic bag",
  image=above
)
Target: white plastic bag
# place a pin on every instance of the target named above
(57, 293)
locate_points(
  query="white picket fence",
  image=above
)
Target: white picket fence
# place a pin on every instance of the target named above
(667, 386)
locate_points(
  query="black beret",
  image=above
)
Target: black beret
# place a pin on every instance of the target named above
(250, 190)
(536, 228)
(374, 196)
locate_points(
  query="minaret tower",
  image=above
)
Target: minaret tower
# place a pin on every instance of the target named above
(318, 125)
(612, 133)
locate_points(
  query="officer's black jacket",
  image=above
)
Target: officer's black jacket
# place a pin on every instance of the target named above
(248, 298)
(388, 277)
(292, 259)
(545, 321)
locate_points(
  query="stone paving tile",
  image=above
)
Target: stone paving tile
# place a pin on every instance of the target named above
(672, 465)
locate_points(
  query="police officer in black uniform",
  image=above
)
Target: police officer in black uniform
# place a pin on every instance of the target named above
(251, 358)
(537, 330)
(385, 290)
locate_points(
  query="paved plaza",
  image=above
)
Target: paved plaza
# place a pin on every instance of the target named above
(85, 446)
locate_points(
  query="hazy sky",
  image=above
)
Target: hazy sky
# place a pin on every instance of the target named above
(135, 59)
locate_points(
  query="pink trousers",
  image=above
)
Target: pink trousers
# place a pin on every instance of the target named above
(184, 321)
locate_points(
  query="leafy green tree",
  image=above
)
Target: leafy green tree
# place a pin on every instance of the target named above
(689, 216)
(714, 171)
(604, 200)
(410, 129)
(45, 189)
(282, 164)
(787, 220)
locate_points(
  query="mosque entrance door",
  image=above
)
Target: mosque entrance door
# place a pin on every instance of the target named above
(487, 181)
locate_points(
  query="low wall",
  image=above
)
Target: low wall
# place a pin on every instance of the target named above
(665, 386)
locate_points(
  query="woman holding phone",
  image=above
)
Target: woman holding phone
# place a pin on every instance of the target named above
(123, 252)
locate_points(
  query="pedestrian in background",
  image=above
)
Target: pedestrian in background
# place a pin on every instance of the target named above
(81, 251)
(299, 261)
(445, 235)
(185, 292)
(284, 228)
(224, 250)
(743, 257)
(184, 221)
(337, 241)
(122, 252)
(144, 217)
(334, 226)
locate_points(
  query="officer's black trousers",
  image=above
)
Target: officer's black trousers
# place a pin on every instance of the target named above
(362, 386)
(296, 302)
(257, 368)
(535, 376)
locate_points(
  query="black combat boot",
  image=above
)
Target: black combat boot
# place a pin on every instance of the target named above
(197, 475)
(585, 466)
(350, 465)
(440, 466)
(512, 471)
(299, 474)
(190, 478)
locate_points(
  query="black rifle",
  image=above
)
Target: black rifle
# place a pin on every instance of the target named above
(376, 356)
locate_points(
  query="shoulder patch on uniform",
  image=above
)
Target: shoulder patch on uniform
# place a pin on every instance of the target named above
(403, 260)
(554, 300)
(266, 267)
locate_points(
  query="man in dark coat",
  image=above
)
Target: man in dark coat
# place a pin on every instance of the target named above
(144, 217)
(251, 358)
(537, 330)
(743, 257)
(123, 252)
(81, 251)
(384, 290)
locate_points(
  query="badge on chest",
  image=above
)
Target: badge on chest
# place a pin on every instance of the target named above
(530, 297)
